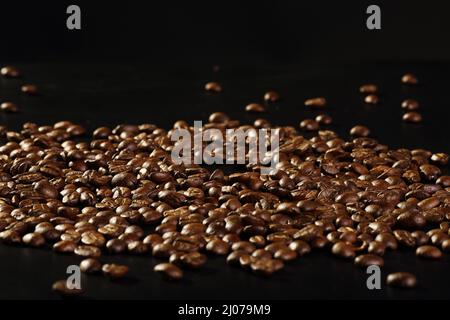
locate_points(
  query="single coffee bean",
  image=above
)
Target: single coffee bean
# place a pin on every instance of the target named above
(421, 237)
(360, 131)
(34, 239)
(309, 125)
(343, 250)
(409, 78)
(9, 107)
(413, 117)
(88, 251)
(402, 280)
(193, 260)
(376, 247)
(365, 260)
(446, 245)
(300, 246)
(65, 246)
(30, 89)
(428, 252)
(243, 246)
(271, 96)
(255, 107)
(368, 88)
(324, 119)
(285, 254)
(10, 72)
(213, 87)
(10, 237)
(371, 99)
(405, 238)
(410, 105)
(316, 102)
(115, 271)
(169, 271)
(90, 266)
(266, 267)
(218, 247)
(116, 246)
(440, 158)
(388, 239)
(63, 288)
(218, 117)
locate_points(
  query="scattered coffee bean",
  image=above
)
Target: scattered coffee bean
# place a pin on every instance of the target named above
(309, 125)
(409, 78)
(90, 266)
(61, 287)
(324, 119)
(271, 96)
(10, 72)
(413, 117)
(440, 158)
(402, 280)
(316, 102)
(428, 252)
(410, 104)
(343, 250)
(115, 271)
(255, 107)
(213, 87)
(360, 131)
(30, 89)
(9, 107)
(368, 88)
(365, 260)
(371, 99)
(169, 271)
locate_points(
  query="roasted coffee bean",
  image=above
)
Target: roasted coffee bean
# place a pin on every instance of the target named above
(376, 247)
(65, 246)
(34, 239)
(440, 158)
(405, 238)
(124, 179)
(193, 260)
(428, 252)
(169, 271)
(243, 246)
(10, 237)
(90, 266)
(213, 87)
(255, 107)
(421, 237)
(410, 104)
(388, 239)
(368, 88)
(316, 102)
(218, 247)
(409, 78)
(360, 131)
(324, 119)
(446, 245)
(266, 267)
(285, 254)
(309, 125)
(371, 99)
(162, 250)
(93, 238)
(218, 117)
(412, 116)
(115, 271)
(402, 280)
(10, 72)
(301, 247)
(9, 107)
(88, 251)
(30, 89)
(116, 246)
(366, 260)
(343, 250)
(65, 288)
(271, 96)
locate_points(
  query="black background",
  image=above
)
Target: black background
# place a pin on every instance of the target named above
(148, 61)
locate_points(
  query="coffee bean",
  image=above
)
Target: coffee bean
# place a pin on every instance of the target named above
(440, 158)
(255, 107)
(428, 252)
(371, 99)
(34, 239)
(409, 78)
(30, 89)
(116, 246)
(213, 87)
(124, 179)
(410, 105)
(402, 280)
(360, 131)
(405, 238)
(9, 107)
(243, 246)
(169, 271)
(301, 247)
(366, 260)
(324, 119)
(368, 88)
(193, 260)
(218, 117)
(271, 96)
(316, 102)
(10, 72)
(446, 245)
(421, 237)
(218, 247)
(377, 248)
(63, 288)
(90, 266)
(309, 125)
(285, 254)
(343, 250)
(413, 117)
(10, 237)
(266, 267)
(65, 246)
(88, 251)
(115, 271)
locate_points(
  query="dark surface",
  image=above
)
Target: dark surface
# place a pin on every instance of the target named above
(107, 93)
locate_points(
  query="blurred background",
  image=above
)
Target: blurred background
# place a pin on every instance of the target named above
(213, 31)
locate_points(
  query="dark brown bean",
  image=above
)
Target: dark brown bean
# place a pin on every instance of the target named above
(371, 99)
(34, 239)
(316, 102)
(428, 252)
(343, 250)
(402, 280)
(365, 260)
(309, 125)
(213, 87)
(271, 96)
(115, 271)
(9, 107)
(10, 72)
(368, 88)
(61, 287)
(169, 271)
(413, 117)
(90, 266)
(409, 78)
(255, 107)
(30, 89)
(410, 104)
(324, 119)
(360, 131)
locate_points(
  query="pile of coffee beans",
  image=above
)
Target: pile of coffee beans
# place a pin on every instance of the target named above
(118, 191)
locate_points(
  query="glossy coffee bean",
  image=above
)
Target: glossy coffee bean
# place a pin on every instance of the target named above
(428, 252)
(115, 271)
(90, 266)
(402, 280)
(169, 271)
